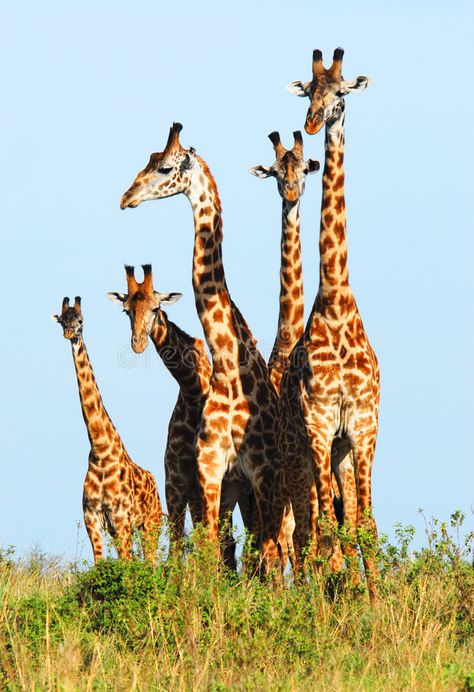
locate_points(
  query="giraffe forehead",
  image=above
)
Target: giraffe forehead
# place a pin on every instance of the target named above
(140, 301)
(290, 163)
(69, 315)
(324, 89)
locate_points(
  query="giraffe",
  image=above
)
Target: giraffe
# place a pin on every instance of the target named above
(290, 170)
(187, 361)
(330, 392)
(119, 495)
(238, 429)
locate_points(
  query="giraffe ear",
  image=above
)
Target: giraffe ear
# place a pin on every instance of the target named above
(118, 298)
(168, 298)
(298, 88)
(313, 166)
(357, 84)
(261, 171)
(186, 163)
(56, 318)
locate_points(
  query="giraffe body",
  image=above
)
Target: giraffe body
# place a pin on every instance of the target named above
(239, 421)
(330, 392)
(187, 361)
(119, 496)
(290, 170)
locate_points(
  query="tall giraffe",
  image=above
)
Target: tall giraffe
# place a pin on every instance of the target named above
(290, 170)
(330, 393)
(239, 422)
(185, 358)
(118, 496)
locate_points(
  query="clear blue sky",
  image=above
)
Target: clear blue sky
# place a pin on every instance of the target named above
(90, 89)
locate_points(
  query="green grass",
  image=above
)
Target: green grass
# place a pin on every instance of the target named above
(188, 625)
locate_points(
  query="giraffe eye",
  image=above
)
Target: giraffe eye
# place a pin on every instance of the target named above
(165, 170)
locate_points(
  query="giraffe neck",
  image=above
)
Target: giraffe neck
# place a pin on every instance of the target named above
(226, 331)
(184, 357)
(291, 313)
(333, 273)
(100, 429)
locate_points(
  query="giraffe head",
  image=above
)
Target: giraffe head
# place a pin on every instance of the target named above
(326, 91)
(144, 305)
(70, 319)
(168, 173)
(290, 169)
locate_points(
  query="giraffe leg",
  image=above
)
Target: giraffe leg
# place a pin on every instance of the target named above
(300, 502)
(181, 489)
(364, 449)
(337, 499)
(248, 509)
(298, 474)
(313, 523)
(271, 503)
(211, 462)
(285, 538)
(176, 500)
(94, 531)
(229, 494)
(343, 470)
(123, 539)
(150, 536)
(320, 438)
(252, 523)
(299, 477)
(195, 503)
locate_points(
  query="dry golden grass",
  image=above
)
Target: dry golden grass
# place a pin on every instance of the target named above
(186, 625)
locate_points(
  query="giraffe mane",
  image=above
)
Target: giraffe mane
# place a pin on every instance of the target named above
(198, 344)
(211, 179)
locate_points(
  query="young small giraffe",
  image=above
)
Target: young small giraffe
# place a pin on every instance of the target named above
(290, 170)
(187, 361)
(330, 393)
(118, 496)
(239, 421)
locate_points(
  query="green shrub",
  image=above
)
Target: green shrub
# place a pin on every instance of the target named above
(189, 624)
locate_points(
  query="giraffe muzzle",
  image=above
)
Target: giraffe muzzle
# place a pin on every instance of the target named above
(314, 122)
(139, 343)
(291, 193)
(126, 201)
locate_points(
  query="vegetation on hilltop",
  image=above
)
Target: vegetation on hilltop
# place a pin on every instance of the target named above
(187, 625)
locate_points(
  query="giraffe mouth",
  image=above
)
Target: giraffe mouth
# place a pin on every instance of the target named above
(126, 201)
(313, 126)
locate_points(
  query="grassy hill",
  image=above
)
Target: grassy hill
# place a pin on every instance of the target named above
(188, 625)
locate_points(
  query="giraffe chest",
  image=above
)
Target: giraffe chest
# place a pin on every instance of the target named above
(338, 365)
(105, 484)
